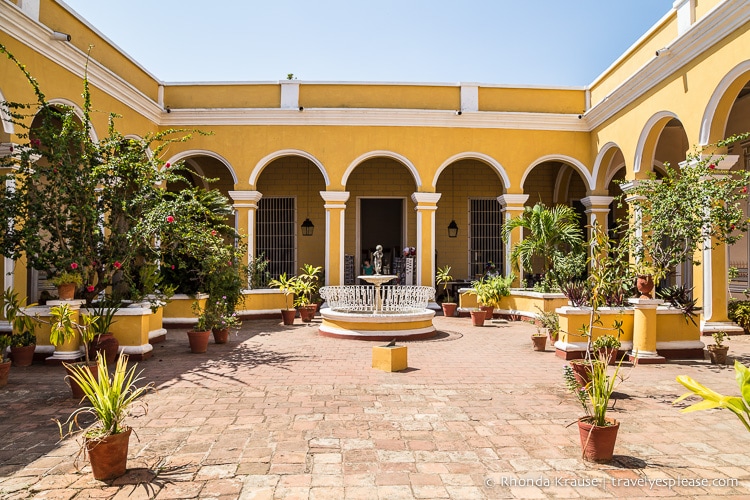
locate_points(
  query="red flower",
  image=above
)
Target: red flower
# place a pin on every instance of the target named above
(744, 189)
(167, 165)
(170, 218)
(172, 266)
(732, 227)
(711, 166)
(117, 264)
(213, 233)
(74, 266)
(90, 288)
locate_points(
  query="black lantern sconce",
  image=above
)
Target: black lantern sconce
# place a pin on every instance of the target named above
(308, 227)
(452, 229)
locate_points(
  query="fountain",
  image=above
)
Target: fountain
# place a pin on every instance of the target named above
(377, 311)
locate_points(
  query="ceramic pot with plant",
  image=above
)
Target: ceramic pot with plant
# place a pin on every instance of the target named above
(104, 342)
(221, 319)
(200, 334)
(598, 433)
(717, 351)
(606, 348)
(287, 287)
(23, 327)
(67, 282)
(448, 305)
(64, 327)
(539, 341)
(478, 316)
(111, 400)
(306, 288)
(550, 321)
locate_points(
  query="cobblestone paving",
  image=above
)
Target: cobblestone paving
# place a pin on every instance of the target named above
(280, 412)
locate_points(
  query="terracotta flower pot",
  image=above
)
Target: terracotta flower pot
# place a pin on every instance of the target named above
(4, 372)
(598, 443)
(539, 342)
(66, 291)
(645, 285)
(109, 455)
(198, 341)
(288, 315)
(449, 309)
(23, 356)
(478, 317)
(221, 335)
(75, 389)
(107, 345)
(718, 355)
(581, 371)
(489, 311)
(609, 354)
(307, 313)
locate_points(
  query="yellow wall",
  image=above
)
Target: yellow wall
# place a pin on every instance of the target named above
(533, 100)
(379, 96)
(223, 96)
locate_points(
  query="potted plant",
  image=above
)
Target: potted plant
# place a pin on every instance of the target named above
(538, 339)
(607, 347)
(287, 287)
(23, 326)
(306, 286)
(478, 316)
(739, 405)
(717, 351)
(221, 319)
(443, 277)
(199, 335)
(597, 432)
(111, 400)
(4, 361)
(103, 341)
(67, 282)
(484, 292)
(63, 328)
(550, 321)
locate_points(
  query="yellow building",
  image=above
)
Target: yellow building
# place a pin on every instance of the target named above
(394, 164)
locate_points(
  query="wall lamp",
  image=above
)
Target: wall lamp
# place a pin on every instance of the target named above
(452, 229)
(307, 227)
(63, 37)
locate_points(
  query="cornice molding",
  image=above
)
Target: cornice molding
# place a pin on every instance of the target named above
(353, 117)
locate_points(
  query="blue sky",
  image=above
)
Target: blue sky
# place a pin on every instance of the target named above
(535, 42)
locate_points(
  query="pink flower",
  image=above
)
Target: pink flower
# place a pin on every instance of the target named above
(117, 264)
(167, 165)
(90, 288)
(213, 233)
(711, 166)
(172, 266)
(744, 189)
(170, 219)
(74, 266)
(36, 142)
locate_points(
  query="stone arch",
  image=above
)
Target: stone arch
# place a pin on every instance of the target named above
(649, 137)
(76, 111)
(383, 154)
(572, 162)
(186, 155)
(716, 114)
(494, 164)
(603, 168)
(266, 160)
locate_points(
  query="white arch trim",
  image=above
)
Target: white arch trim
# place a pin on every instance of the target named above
(470, 155)
(8, 127)
(78, 112)
(202, 152)
(710, 113)
(600, 158)
(612, 172)
(580, 167)
(644, 136)
(382, 154)
(280, 154)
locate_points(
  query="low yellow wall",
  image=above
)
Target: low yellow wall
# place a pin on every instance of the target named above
(528, 302)
(181, 306)
(266, 299)
(571, 323)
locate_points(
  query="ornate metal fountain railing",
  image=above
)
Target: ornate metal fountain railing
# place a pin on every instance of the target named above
(393, 298)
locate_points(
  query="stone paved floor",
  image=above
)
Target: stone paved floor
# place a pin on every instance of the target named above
(281, 412)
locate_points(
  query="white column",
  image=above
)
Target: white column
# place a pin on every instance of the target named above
(335, 205)
(512, 206)
(246, 204)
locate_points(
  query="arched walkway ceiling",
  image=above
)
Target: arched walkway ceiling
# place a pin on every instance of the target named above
(734, 85)
(268, 159)
(480, 157)
(580, 168)
(553, 182)
(384, 154)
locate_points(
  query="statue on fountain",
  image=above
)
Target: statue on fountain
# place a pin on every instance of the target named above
(377, 259)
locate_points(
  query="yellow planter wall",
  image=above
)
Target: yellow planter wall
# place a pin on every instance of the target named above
(570, 325)
(181, 306)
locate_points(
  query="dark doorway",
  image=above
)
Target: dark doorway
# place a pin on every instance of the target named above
(381, 223)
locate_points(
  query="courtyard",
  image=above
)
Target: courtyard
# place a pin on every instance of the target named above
(281, 412)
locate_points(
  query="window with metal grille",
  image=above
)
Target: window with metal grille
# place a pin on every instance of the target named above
(276, 234)
(485, 243)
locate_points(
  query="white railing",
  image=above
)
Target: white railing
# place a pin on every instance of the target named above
(393, 298)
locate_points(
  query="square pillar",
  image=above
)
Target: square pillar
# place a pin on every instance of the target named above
(426, 208)
(389, 358)
(335, 205)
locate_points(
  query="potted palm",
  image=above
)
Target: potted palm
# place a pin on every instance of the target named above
(287, 287)
(23, 337)
(306, 288)
(103, 341)
(717, 352)
(443, 277)
(485, 293)
(111, 400)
